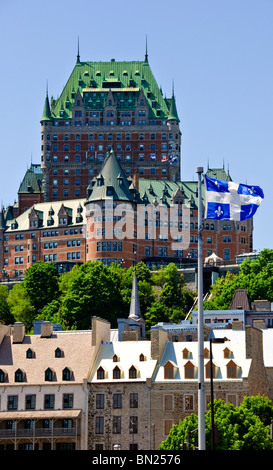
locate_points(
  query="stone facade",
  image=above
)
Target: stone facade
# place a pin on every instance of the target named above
(169, 395)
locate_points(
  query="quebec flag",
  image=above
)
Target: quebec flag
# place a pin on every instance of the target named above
(226, 200)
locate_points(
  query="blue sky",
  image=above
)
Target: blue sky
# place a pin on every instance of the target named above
(218, 53)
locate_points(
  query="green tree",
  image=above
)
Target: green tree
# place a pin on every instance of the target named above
(179, 434)
(256, 276)
(145, 290)
(173, 294)
(238, 428)
(92, 291)
(20, 306)
(41, 284)
(6, 316)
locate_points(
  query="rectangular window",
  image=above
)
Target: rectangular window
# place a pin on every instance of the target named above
(168, 402)
(117, 400)
(99, 424)
(133, 400)
(188, 402)
(116, 424)
(49, 401)
(67, 400)
(133, 426)
(100, 401)
(168, 423)
(30, 402)
(12, 402)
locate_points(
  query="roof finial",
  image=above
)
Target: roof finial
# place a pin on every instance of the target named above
(78, 55)
(146, 54)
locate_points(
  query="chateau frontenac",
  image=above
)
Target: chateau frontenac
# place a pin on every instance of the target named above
(108, 186)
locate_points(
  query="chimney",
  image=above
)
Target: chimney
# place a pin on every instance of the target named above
(136, 180)
(237, 325)
(46, 329)
(18, 332)
(158, 342)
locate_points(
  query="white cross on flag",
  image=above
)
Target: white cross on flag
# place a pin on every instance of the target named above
(226, 200)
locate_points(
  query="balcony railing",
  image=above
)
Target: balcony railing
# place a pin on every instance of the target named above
(39, 432)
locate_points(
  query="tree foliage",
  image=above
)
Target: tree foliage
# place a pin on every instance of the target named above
(93, 289)
(6, 316)
(245, 427)
(41, 284)
(256, 276)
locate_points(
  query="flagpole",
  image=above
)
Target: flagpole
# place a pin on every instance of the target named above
(201, 391)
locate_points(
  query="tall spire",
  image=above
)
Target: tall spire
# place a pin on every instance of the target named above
(146, 53)
(135, 305)
(78, 55)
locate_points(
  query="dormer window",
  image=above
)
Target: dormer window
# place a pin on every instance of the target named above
(3, 376)
(115, 358)
(142, 357)
(189, 370)
(227, 353)
(186, 353)
(208, 370)
(18, 376)
(168, 370)
(100, 373)
(206, 353)
(30, 354)
(116, 373)
(58, 352)
(49, 375)
(132, 373)
(66, 374)
(232, 371)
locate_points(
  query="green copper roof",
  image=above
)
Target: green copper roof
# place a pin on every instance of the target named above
(111, 182)
(32, 181)
(173, 115)
(219, 174)
(46, 113)
(125, 79)
(164, 192)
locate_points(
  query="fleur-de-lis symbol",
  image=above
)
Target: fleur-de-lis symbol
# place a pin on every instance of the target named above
(218, 212)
